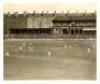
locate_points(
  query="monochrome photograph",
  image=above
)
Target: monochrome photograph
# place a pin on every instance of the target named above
(49, 41)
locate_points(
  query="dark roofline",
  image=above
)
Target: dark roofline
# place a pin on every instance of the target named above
(29, 28)
(75, 18)
(56, 14)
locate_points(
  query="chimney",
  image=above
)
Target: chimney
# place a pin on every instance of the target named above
(25, 13)
(47, 12)
(84, 13)
(62, 12)
(67, 13)
(54, 12)
(34, 12)
(42, 13)
(94, 13)
(16, 13)
(8, 13)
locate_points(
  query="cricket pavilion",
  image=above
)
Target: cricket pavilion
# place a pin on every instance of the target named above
(50, 25)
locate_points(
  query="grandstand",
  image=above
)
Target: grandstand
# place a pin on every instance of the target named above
(53, 25)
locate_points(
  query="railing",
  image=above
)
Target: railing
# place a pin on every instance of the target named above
(48, 36)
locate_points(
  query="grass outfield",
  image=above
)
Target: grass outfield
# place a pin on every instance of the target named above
(49, 59)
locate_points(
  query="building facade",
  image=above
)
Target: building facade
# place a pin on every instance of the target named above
(37, 25)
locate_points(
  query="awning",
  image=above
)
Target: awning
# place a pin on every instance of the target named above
(89, 29)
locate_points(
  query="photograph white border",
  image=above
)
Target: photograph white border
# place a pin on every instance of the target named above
(50, 81)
